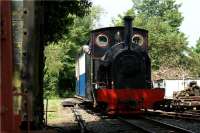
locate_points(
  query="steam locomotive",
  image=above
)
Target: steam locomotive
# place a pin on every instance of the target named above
(114, 70)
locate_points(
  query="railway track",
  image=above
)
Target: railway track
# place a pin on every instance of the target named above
(143, 125)
(195, 113)
(148, 125)
(194, 116)
(79, 119)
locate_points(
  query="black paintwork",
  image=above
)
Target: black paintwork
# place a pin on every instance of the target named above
(116, 65)
(111, 32)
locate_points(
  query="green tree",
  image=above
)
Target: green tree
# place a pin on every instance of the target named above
(60, 66)
(79, 36)
(167, 10)
(53, 65)
(59, 15)
(194, 59)
(197, 48)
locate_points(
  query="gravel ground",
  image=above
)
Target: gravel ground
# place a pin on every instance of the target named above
(62, 117)
(95, 124)
(187, 124)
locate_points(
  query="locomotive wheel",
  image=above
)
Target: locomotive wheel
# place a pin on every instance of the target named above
(102, 107)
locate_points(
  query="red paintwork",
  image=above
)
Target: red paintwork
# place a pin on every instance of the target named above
(115, 98)
(7, 118)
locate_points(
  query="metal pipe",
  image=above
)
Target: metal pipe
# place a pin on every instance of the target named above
(128, 31)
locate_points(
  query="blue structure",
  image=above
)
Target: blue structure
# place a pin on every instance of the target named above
(81, 76)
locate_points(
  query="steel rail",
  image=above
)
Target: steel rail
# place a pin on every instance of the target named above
(79, 119)
(176, 128)
(191, 118)
(135, 126)
(151, 130)
(184, 116)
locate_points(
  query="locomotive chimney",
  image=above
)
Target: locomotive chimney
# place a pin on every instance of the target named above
(128, 31)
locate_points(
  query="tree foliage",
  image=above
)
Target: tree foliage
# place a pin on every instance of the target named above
(58, 16)
(167, 45)
(166, 10)
(60, 55)
(53, 65)
(194, 59)
(197, 48)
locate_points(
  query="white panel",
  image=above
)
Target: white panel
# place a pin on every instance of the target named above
(198, 82)
(189, 80)
(171, 86)
(82, 64)
(77, 69)
(176, 85)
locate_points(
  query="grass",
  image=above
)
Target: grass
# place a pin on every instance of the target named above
(54, 106)
(57, 115)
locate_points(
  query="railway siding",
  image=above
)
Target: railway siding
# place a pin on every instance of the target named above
(191, 125)
(153, 126)
(95, 122)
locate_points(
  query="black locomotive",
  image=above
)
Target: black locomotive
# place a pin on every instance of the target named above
(116, 68)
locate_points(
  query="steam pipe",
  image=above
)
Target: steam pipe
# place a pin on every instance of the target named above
(128, 31)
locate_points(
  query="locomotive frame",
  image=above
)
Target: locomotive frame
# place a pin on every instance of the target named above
(114, 70)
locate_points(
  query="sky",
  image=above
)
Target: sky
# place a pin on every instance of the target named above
(190, 10)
